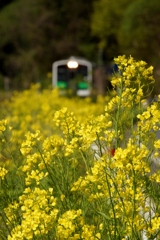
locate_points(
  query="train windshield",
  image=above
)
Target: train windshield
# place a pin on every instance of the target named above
(66, 74)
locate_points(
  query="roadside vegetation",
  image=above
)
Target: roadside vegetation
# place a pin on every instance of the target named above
(74, 168)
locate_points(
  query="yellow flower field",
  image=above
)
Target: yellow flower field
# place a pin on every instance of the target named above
(73, 168)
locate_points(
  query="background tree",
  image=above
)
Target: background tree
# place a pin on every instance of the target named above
(36, 33)
(129, 27)
(3, 3)
(106, 21)
(19, 30)
(139, 34)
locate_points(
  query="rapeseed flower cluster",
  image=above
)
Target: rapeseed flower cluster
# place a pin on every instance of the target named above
(33, 215)
(3, 172)
(77, 169)
(68, 224)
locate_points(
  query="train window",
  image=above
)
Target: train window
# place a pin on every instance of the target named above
(62, 76)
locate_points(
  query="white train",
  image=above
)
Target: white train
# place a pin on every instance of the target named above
(73, 74)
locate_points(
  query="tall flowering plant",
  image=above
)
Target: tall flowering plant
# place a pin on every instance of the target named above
(94, 177)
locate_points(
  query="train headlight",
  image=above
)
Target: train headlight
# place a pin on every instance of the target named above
(72, 64)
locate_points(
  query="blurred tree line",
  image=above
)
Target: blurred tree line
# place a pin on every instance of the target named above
(34, 34)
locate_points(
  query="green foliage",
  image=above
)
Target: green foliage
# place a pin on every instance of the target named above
(19, 36)
(106, 21)
(140, 29)
(36, 33)
(107, 16)
(128, 27)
